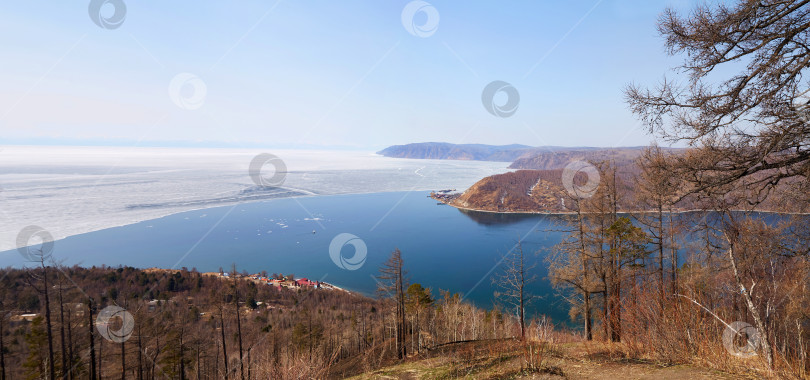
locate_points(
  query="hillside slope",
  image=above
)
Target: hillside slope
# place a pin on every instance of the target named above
(519, 191)
(540, 159)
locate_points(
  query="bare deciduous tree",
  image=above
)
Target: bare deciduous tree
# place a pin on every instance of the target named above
(571, 266)
(2, 344)
(44, 290)
(515, 276)
(393, 281)
(657, 192)
(238, 321)
(747, 129)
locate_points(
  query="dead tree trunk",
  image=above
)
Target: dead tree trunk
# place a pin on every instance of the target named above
(62, 333)
(752, 307)
(123, 362)
(586, 292)
(92, 339)
(70, 344)
(222, 332)
(2, 344)
(45, 293)
(140, 354)
(100, 359)
(238, 323)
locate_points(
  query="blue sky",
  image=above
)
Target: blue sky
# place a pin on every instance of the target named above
(327, 73)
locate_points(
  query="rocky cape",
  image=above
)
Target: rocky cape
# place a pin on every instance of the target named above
(522, 191)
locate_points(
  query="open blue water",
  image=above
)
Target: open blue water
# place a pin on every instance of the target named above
(443, 248)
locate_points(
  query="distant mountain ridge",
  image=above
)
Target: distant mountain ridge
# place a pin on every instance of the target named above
(448, 151)
(545, 159)
(521, 156)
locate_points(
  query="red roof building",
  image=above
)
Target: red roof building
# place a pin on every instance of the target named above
(306, 282)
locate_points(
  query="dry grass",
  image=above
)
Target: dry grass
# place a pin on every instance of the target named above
(542, 360)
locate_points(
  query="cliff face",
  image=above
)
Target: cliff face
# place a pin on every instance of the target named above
(520, 191)
(447, 151)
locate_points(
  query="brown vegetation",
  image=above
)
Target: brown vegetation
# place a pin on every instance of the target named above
(187, 325)
(650, 284)
(519, 191)
(673, 287)
(193, 325)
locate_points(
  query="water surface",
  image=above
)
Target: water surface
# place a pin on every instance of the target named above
(444, 248)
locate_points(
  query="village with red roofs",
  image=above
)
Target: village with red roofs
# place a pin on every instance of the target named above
(277, 280)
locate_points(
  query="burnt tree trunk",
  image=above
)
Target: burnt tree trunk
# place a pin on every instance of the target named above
(92, 340)
(224, 348)
(239, 334)
(70, 344)
(2, 345)
(123, 362)
(62, 333)
(51, 366)
(140, 355)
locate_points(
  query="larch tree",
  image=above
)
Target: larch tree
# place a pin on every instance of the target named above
(602, 211)
(62, 341)
(570, 266)
(417, 300)
(2, 331)
(743, 105)
(238, 320)
(36, 341)
(392, 282)
(657, 192)
(628, 248)
(91, 337)
(44, 289)
(512, 282)
(744, 109)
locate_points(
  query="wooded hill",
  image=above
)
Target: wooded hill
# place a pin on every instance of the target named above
(543, 191)
(190, 325)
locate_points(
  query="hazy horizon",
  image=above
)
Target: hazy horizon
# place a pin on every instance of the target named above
(226, 145)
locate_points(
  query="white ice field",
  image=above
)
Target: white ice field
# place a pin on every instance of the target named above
(73, 190)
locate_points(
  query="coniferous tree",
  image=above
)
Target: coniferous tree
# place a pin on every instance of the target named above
(392, 281)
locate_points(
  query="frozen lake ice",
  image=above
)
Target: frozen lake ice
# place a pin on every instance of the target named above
(73, 190)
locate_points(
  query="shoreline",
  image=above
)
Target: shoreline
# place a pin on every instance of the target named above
(566, 213)
(224, 204)
(257, 278)
(312, 195)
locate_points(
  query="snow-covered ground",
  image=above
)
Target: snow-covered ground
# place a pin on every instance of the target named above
(73, 190)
